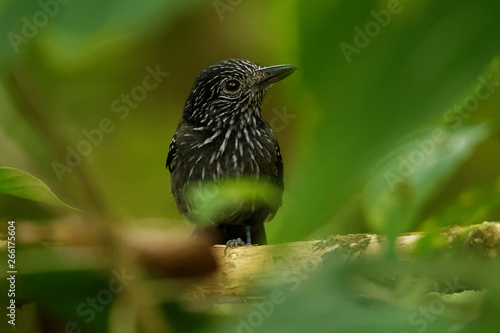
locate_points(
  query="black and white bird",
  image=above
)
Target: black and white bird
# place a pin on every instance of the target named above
(223, 139)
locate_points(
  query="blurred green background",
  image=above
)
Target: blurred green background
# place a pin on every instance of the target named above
(391, 124)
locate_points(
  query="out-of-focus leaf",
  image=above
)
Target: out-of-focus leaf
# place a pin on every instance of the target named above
(416, 60)
(374, 296)
(404, 180)
(68, 286)
(71, 31)
(211, 201)
(21, 184)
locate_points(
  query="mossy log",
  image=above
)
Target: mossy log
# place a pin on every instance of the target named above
(242, 270)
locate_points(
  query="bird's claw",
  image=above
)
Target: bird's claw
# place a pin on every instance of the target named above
(232, 243)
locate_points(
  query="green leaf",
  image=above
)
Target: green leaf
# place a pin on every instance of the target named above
(404, 180)
(62, 280)
(23, 185)
(402, 76)
(210, 201)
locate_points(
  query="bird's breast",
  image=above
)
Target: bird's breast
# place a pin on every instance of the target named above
(228, 153)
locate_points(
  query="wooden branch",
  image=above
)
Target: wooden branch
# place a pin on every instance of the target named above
(238, 275)
(245, 268)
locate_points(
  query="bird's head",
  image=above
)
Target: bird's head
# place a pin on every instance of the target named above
(231, 90)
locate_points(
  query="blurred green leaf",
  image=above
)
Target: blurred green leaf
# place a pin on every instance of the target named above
(211, 201)
(21, 184)
(400, 185)
(69, 41)
(68, 285)
(374, 296)
(405, 73)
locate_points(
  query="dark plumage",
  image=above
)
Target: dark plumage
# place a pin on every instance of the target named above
(223, 137)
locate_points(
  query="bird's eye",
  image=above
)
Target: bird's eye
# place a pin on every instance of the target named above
(233, 85)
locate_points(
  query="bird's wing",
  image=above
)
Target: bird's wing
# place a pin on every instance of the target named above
(172, 154)
(279, 176)
(279, 167)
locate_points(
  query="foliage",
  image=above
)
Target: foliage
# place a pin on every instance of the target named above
(21, 184)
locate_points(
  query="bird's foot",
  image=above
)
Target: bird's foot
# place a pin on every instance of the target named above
(233, 243)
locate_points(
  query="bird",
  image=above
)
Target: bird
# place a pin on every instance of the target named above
(224, 154)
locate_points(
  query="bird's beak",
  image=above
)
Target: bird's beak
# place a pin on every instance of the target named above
(273, 74)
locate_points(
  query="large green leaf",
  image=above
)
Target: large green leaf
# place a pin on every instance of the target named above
(404, 180)
(405, 72)
(374, 296)
(21, 184)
